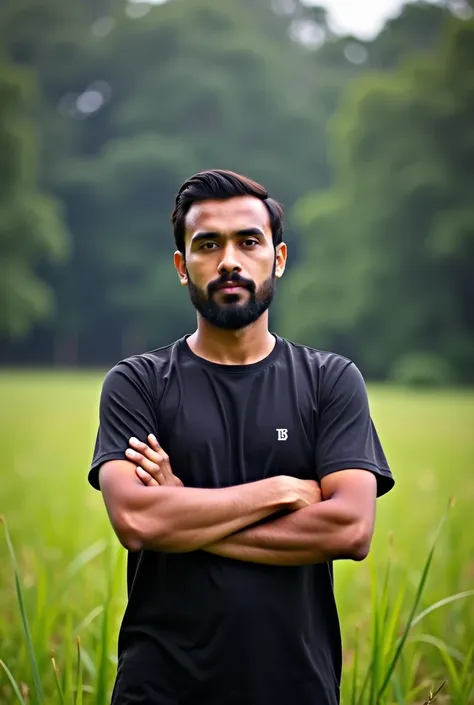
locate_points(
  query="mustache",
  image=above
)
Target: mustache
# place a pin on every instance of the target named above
(235, 279)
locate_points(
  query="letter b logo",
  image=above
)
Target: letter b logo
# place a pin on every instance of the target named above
(282, 434)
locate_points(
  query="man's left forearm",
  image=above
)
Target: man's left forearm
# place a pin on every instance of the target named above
(339, 527)
(324, 532)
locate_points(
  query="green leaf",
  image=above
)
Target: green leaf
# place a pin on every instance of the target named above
(419, 592)
(13, 683)
(38, 691)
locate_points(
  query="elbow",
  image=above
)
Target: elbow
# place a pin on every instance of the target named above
(131, 541)
(356, 543)
(360, 552)
(132, 533)
(127, 532)
(360, 542)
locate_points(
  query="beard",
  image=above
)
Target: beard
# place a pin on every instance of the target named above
(232, 314)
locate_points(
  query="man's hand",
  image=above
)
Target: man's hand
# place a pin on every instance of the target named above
(308, 493)
(153, 464)
(153, 468)
(339, 527)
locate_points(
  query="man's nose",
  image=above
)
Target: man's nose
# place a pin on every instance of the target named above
(229, 262)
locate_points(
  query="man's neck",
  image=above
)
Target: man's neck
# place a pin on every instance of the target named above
(232, 347)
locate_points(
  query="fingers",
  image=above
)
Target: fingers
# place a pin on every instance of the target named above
(155, 453)
(148, 465)
(153, 459)
(165, 466)
(153, 441)
(150, 460)
(145, 477)
(145, 450)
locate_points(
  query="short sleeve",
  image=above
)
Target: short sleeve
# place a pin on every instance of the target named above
(127, 408)
(346, 436)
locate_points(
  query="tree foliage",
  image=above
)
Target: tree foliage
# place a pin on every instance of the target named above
(390, 248)
(31, 227)
(132, 98)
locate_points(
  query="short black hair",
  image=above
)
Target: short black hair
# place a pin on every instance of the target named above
(220, 184)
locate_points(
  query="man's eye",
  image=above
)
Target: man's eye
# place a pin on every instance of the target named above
(208, 246)
(250, 242)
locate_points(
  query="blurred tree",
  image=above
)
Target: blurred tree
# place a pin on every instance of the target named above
(417, 29)
(391, 246)
(31, 227)
(200, 89)
(53, 39)
(135, 98)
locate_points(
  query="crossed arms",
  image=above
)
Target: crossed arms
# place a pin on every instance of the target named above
(150, 509)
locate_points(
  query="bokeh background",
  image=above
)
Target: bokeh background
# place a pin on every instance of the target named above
(357, 116)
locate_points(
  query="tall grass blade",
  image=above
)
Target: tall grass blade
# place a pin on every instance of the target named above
(58, 682)
(466, 670)
(469, 689)
(104, 661)
(38, 691)
(87, 555)
(88, 619)
(415, 670)
(13, 682)
(434, 695)
(439, 644)
(365, 684)
(380, 612)
(386, 583)
(401, 700)
(441, 603)
(69, 658)
(449, 655)
(416, 693)
(355, 669)
(78, 700)
(39, 628)
(455, 681)
(419, 592)
(88, 663)
(375, 669)
(393, 619)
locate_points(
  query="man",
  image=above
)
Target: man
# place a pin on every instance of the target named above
(235, 467)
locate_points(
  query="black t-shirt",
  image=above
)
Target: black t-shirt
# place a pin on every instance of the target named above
(204, 630)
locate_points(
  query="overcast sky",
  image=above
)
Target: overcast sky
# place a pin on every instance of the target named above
(361, 17)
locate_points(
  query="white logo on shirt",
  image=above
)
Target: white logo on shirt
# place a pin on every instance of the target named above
(282, 434)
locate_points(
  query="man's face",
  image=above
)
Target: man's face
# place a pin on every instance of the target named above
(230, 265)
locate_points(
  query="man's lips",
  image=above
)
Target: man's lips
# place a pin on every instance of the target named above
(230, 288)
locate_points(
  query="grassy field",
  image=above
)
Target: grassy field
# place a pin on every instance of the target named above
(72, 574)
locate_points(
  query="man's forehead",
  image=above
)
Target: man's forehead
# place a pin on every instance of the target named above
(231, 214)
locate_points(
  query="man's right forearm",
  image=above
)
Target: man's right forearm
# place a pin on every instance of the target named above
(183, 519)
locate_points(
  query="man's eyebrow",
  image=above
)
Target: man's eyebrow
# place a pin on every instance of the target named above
(204, 235)
(251, 231)
(210, 235)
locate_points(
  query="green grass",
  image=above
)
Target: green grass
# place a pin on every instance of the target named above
(407, 616)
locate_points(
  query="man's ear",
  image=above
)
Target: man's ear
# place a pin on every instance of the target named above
(180, 266)
(281, 254)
